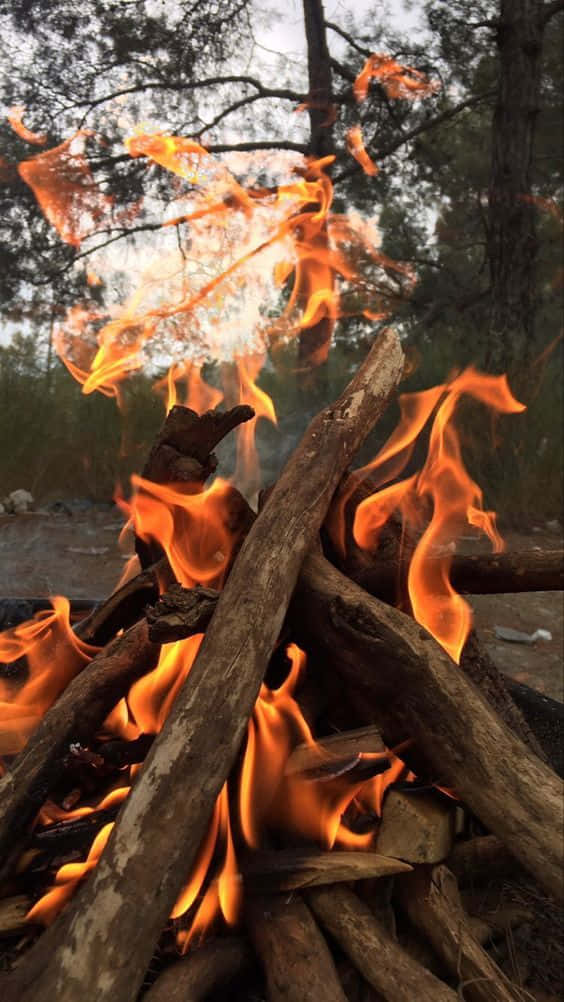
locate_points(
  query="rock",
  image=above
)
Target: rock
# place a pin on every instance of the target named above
(417, 828)
(20, 501)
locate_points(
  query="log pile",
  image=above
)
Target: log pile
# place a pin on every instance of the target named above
(313, 924)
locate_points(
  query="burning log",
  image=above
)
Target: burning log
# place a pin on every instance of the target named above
(297, 964)
(384, 964)
(414, 690)
(161, 826)
(212, 967)
(295, 869)
(125, 606)
(13, 913)
(431, 899)
(478, 573)
(74, 718)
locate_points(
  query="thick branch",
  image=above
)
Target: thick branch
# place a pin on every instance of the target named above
(209, 968)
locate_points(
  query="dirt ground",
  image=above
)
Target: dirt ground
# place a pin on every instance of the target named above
(75, 551)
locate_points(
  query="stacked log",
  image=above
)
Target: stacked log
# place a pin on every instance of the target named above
(459, 728)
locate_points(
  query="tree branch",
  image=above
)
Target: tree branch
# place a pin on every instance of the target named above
(430, 123)
(348, 38)
(548, 10)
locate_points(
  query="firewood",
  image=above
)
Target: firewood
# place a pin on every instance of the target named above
(180, 613)
(183, 453)
(205, 969)
(12, 915)
(125, 606)
(161, 825)
(410, 688)
(336, 747)
(478, 573)
(417, 828)
(481, 859)
(292, 869)
(297, 964)
(388, 968)
(431, 899)
(74, 718)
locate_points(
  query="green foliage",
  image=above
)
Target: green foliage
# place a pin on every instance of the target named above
(56, 442)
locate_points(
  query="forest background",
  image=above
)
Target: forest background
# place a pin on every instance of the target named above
(468, 194)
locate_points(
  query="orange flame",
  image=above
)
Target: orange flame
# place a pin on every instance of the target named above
(63, 185)
(355, 146)
(192, 528)
(444, 484)
(66, 881)
(247, 472)
(402, 82)
(199, 395)
(54, 655)
(15, 116)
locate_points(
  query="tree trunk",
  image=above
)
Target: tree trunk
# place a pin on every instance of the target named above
(512, 241)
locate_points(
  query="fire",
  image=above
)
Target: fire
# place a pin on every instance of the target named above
(67, 880)
(355, 146)
(192, 528)
(400, 82)
(442, 485)
(199, 396)
(15, 116)
(62, 183)
(54, 655)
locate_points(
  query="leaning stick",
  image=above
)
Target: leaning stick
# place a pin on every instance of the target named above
(154, 843)
(384, 964)
(411, 689)
(295, 869)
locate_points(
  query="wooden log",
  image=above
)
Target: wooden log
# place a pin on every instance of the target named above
(125, 606)
(160, 828)
(296, 960)
(477, 573)
(294, 869)
(12, 915)
(431, 900)
(180, 613)
(211, 967)
(481, 859)
(410, 688)
(336, 748)
(388, 968)
(74, 718)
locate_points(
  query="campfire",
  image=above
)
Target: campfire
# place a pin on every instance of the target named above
(280, 723)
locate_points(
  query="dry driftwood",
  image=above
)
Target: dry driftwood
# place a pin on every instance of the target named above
(293, 869)
(388, 968)
(410, 688)
(208, 968)
(75, 716)
(159, 830)
(430, 897)
(297, 964)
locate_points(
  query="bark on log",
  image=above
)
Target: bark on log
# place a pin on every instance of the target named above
(336, 748)
(209, 968)
(388, 968)
(415, 691)
(431, 899)
(12, 915)
(125, 606)
(480, 573)
(159, 830)
(181, 613)
(481, 859)
(76, 715)
(296, 960)
(294, 869)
